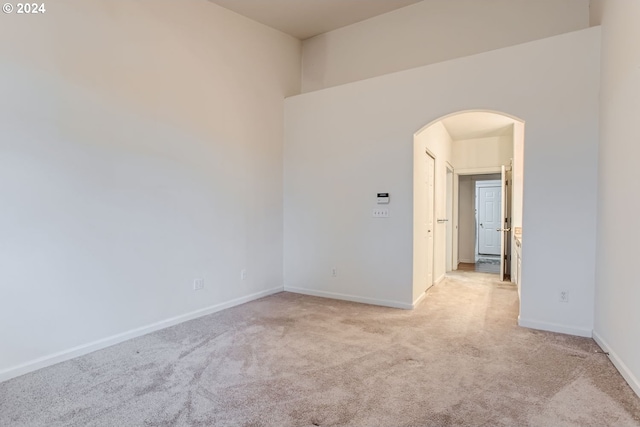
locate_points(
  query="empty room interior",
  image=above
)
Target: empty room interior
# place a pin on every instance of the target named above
(319, 212)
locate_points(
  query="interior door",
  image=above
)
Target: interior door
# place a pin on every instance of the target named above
(503, 219)
(430, 217)
(489, 220)
(449, 221)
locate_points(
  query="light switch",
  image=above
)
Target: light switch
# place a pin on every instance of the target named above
(380, 212)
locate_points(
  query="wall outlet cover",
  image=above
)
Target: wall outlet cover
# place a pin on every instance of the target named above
(564, 296)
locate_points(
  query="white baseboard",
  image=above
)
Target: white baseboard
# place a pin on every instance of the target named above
(424, 294)
(353, 298)
(52, 359)
(554, 327)
(419, 299)
(467, 261)
(624, 370)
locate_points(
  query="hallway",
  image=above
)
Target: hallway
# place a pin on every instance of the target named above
(483, 264)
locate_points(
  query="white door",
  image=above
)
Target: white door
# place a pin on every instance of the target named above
(449, 221)
(505, 244)
(502, 230)
(489, 219)
(429, 219)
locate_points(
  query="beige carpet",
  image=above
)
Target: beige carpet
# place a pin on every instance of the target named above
(294, 360)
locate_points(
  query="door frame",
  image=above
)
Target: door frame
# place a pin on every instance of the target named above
(431, 249)
(456, 194)
(420, 250)
(451, 230)
(505, 219)
(491, 183)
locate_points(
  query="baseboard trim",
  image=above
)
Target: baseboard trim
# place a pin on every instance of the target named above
(419, 299)
(81, 350)
(439, 279)
(466, 261)
(624, 370)
(555, 327)
(352, 298)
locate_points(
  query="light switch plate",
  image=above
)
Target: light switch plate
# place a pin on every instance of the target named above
(380, 212)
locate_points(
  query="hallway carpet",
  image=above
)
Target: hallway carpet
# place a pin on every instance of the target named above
(459, 359)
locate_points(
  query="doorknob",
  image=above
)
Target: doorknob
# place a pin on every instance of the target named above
(481, 225)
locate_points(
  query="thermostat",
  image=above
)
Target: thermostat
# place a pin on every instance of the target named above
(383, 198)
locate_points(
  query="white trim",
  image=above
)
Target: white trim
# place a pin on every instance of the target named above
(353, 298)
(467, 261)
(455, 259)
(419, 299)
(488, 183)
(61, 356)
(624, 370)
(433, 156)
(424, 294)
(555, 327)
(479, 171)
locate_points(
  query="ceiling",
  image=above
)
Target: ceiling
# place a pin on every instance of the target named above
(307, 18)
(477, 124)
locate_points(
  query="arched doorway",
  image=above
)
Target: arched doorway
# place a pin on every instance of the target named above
(469, 143)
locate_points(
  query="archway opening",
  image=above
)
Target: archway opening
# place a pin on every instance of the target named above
(451, 154)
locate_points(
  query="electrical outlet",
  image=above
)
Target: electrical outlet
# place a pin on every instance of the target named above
(198, 284)
(334, 272)
(380, 213)
(243, 274)
(564, 296)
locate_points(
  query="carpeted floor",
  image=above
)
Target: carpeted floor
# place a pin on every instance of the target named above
(294, 360)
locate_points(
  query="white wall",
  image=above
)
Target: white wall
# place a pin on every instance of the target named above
(433, 31)
(617, 318)
(344, 144)
(436, 139)
(466, 219)
(488, 152)
(141, 147)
